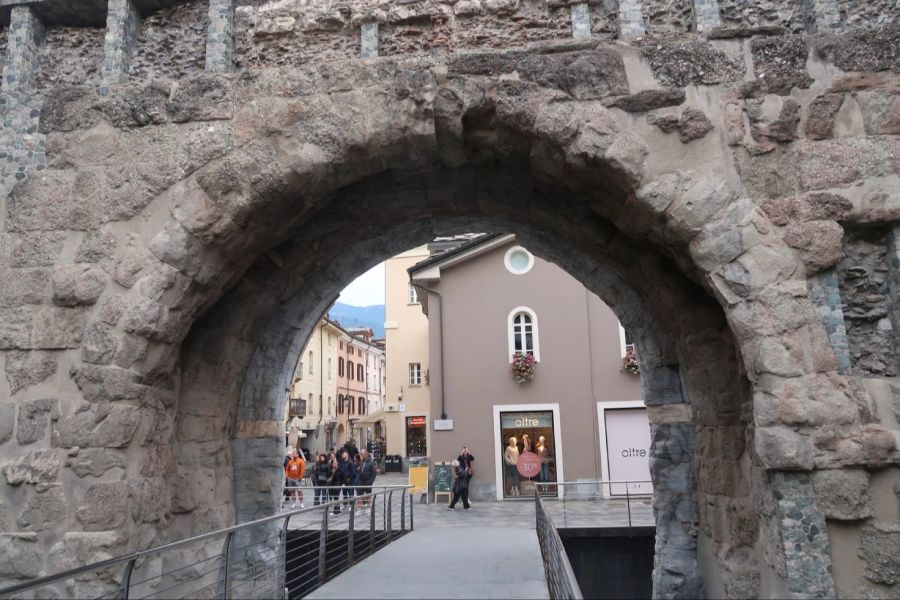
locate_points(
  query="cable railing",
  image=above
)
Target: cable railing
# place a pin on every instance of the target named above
(561, 581)
(282, 556)
(575, 503)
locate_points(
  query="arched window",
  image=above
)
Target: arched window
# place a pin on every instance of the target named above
(522, 329)
(340, 367)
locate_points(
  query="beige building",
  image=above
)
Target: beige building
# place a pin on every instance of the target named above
(313, 391)
(360, 389)
(406, 338)
(489, 299)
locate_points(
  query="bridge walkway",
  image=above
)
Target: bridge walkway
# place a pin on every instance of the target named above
(465, 561)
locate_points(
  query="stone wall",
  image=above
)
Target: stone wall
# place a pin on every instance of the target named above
(864, 275)
(172, 42)
(70, 56)
(787, 14)
(745, 182)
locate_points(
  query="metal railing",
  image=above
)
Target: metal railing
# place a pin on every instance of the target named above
(283, 556)
(561, 581)
(575, 503)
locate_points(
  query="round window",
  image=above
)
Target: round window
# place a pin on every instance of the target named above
(518, 260)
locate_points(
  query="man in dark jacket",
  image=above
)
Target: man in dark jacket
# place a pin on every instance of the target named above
(367, 473)
(464, 473)
(348, 475)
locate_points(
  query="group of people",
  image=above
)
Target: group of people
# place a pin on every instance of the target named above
(347, 470)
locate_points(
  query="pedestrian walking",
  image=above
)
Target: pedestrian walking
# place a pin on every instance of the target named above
(335, 480)
(349, 477)
(464, 471)
(294, 470)
(367, 474)
(321, 475)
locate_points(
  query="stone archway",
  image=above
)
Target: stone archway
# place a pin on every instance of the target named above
(176, 312)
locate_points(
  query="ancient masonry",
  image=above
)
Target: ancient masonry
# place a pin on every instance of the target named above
(182, 180)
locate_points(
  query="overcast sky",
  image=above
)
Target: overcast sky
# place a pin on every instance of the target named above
(367, 289)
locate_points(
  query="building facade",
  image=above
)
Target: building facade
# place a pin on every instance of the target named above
(407, 403)
(490, 299)
(360, 391)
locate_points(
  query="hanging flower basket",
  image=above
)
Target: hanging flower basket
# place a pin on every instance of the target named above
(523, 367)
(630, 363)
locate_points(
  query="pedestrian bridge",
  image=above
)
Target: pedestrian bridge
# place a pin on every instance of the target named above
(384, 544)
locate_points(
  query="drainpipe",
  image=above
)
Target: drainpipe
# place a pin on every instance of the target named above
(321, 373)
(441, 333)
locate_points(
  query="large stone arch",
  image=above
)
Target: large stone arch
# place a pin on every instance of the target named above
(169, 208)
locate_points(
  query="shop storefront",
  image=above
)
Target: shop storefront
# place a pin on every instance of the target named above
(417, 436)
(528, 447)
(625, 447)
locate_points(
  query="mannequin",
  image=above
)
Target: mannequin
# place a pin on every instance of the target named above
(544, 454)
(511, 458)
(294, 432)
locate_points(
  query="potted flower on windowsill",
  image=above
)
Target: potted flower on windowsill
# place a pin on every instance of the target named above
(523, 366)
(630, 363)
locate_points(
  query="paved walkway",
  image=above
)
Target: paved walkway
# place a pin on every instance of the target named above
(448, 562)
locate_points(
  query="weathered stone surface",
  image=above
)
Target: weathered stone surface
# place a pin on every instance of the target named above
(99, 344)
(7, 421)
(779, 63)
(36, 249)
(20, 556)
(45, 510)
(100, 426)
(692, 125)
(26, 369)
(836, 163)
(819, 243)
(880, 111)
(95, 461)
(814, 206)
(76, 285)
(691, 62)
(780, 128)
(879, 548)
(647, 100)
(34, 419)
(104, 506)
(865, 50)
(821, 114)
(843, 493)
(79, 548)
(40, 466)
(782, 448)
(149, 499)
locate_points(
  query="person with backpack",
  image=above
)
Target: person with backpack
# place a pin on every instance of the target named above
(464, 473)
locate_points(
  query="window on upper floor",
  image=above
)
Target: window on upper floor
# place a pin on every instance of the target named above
(310, 362)
(413, 294)
(415, 374)
(523, 332)
(360, 373)
(350, 405)
(518, 260)
(340, 405)
(340, 366)
(329, 368)
(358, 352)
(362, 406)
(626, 344)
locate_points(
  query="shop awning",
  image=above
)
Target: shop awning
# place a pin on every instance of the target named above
(375, 417)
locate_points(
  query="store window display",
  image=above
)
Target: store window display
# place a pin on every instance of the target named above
(527, 453)
(416, 436)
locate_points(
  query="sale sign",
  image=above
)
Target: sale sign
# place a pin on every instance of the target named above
(529, 465)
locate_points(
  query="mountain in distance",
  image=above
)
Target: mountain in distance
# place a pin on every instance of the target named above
(359, 316)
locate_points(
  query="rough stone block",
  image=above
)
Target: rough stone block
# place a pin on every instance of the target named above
(783, 448)
(780, 63)
(25, 369)
(691, 62)
(79, 548)
(819, 243)
(647, 100)
(41, 466)
(95, 461)
(843, 494)
(44, 510)
(104, 506)
(34, 419)
(879, 548)
(821, 115)
(75, 285)
(20, 556)
(102, 426)
(836, 163)
(7, 421)
(58, 328)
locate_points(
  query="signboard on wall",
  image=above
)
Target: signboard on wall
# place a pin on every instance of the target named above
(627, 451)
(526, 420)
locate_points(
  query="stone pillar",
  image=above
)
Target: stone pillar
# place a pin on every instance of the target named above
(825, 292)
(122, 24)
(804, 538)
(581, 20)
(220, 37)
(368, 47)
(821, 15)
(631, 18)
(706, 15)
(893, 260)
(25, 35)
